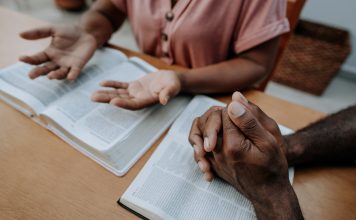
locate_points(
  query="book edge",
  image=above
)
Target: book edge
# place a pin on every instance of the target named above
(130, 209)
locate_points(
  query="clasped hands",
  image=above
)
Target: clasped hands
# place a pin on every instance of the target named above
(243, 146)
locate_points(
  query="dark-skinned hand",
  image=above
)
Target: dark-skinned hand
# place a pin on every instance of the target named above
(250, 156)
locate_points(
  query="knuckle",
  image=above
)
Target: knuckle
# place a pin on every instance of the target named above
(250, 124)
(231, 151)
(272, 126)
(191, 139)
(195, 121)
(245, 145)
(211, 110)
(268, 143)
(215, 108)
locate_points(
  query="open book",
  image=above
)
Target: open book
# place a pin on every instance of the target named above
(171, 185)
(114, 137)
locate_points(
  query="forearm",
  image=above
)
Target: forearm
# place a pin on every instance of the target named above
(331, 140)
(101, 20)
(238, 73)
(228, 76)
(283, 204)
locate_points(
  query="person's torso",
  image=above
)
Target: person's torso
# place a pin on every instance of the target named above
(193, 33)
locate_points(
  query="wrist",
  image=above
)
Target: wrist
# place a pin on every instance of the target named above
(295, 149)
(271, 190)
(182, 80)
(279, 203)
(90, 35)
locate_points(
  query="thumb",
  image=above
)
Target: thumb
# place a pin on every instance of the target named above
(243, 118)
(168, 92)
(165, 94)
(38, 33)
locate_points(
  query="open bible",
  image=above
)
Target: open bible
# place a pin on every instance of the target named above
(171, 185)
(114, 137)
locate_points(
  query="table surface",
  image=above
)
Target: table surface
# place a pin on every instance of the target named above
(41, 177)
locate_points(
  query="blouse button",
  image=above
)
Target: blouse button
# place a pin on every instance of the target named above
(164, 36)
(169, 16)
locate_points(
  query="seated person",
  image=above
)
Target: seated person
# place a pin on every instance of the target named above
(254, 157)
(227, 45)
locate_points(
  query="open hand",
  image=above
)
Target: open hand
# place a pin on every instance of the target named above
(70, 49)
(155, 87)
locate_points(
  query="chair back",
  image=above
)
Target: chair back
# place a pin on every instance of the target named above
(294, 8)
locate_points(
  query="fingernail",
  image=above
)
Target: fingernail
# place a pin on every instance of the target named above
(207, 177)
(201, 166)
(237, 109)
(237, 96)
(206, 144)
(242, 97)
(165, 100)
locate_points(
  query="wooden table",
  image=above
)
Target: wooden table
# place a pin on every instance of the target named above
(41, 177)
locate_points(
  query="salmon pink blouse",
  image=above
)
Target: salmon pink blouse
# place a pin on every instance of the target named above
(196, 33)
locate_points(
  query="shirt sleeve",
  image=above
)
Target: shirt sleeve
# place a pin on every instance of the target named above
(258, 22)
(121, 5)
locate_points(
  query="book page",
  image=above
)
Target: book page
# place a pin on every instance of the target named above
(123, 154)
(104, 132)
(171, 185)
(97, 124)
(41, 92)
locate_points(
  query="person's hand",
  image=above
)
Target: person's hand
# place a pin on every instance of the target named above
(216, 135)
(205, 134)
(70, 49)
(251, 157)
(155, 87)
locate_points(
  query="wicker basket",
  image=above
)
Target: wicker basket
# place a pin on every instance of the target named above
(312, 57)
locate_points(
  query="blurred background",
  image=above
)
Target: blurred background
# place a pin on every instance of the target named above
(317, 68)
